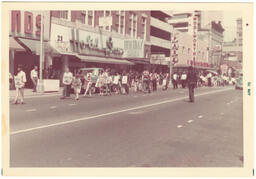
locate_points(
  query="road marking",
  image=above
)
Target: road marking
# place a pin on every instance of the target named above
(30, 110)
(189, 121)
(53, 107)
(73, 104)
(199, 117)
(136, 112)
(143, 95)
(112, 113)
(135, 96)
(222, 113)
(179, 126)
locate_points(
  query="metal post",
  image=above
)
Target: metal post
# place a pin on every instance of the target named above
(40, 82)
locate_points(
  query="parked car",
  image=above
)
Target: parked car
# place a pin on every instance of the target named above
(239, 82)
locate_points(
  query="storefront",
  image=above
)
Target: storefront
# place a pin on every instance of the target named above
(93, 47)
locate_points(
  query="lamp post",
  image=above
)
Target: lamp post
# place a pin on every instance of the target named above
(40, 88)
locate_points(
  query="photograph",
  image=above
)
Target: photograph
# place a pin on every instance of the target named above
(97, 87)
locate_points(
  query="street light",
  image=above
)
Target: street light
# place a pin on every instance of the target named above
(40, 86)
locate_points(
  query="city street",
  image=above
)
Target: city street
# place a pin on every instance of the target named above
(160, 129)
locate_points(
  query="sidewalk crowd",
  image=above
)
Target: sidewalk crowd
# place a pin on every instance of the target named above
(107, 83)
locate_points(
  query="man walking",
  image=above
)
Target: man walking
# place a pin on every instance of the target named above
(34, 77)
(67, 81)
(192, 79)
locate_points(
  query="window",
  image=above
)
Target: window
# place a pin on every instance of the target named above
(144, 28)
(64, 14)
(83, 14)
(121, 22)
(107, 13)
(90, 18)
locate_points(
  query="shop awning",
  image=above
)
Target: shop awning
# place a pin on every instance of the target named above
(32, 45)
(140, 61)
(15, 45)
(103, 60)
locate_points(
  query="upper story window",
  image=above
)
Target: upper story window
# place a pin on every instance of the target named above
(64, 14)
(144, 27)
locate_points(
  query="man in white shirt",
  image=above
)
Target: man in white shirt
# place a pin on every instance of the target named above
(67, 81)
(20, 80)
(34, 77)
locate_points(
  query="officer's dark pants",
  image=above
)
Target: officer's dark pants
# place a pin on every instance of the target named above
(191, 92)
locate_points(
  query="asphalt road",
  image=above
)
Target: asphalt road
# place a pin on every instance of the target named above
(160, 129)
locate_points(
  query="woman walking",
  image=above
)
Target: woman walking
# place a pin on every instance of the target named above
(20, 80)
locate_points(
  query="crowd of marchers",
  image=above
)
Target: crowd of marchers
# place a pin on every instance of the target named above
(107, 82)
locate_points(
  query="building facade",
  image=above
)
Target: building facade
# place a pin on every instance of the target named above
(160, 39)
(207, 30)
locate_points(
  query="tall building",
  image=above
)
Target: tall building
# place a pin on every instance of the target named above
(209, 30)
(160, 38)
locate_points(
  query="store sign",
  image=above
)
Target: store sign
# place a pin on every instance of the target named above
(158, 59)
(134, 48)
(224, 68)
(93, 43)
(25, 23)
(194, 46)
(175, 48)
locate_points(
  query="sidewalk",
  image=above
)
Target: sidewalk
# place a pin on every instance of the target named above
(29, 93)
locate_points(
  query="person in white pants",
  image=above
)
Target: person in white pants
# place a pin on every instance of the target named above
(20, 80)
(89, 84)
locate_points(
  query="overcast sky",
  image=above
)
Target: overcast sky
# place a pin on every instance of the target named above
(229, 23)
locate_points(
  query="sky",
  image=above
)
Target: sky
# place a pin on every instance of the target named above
(229, 23)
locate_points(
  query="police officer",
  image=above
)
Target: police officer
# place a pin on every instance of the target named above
(192, 80)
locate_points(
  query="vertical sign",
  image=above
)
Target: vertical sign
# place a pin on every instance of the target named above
(194, 39)
(174, 49)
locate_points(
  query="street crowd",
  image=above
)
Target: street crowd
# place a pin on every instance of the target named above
(107, 82)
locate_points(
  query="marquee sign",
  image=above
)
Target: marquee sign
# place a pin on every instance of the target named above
(194, 46)
(175, 48)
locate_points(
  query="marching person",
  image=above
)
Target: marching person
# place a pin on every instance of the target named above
(183, 79)
(209, 77)
(67, 81)
(76, 85)
(154, 81)
(34, 77)
(175, 81)
(125, 82)
(192, 80)
(89, 84)
(20, 80)
(146, 81)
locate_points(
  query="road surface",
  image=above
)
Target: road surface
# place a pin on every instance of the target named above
(160, 129)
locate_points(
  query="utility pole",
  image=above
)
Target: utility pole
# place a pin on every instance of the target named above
(40, 82)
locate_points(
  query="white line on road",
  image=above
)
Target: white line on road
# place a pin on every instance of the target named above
(189, 121)
(179, 126)
(73, 104)
(114, 112)
(30, 110)
(53, 107)
(200, 116)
